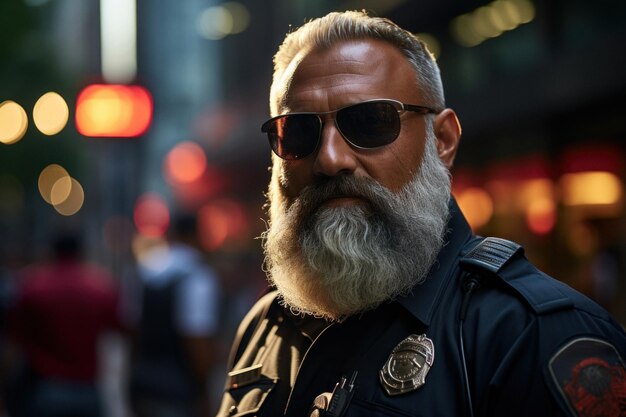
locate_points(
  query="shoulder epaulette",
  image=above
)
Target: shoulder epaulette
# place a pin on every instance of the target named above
(489, 257)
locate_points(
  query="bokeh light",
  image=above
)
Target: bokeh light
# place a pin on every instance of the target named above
(541, 215)
(484, 22)
(228, 18)
(214, 23)
(61, 190)
(113, 110)
(48, 177)
(240, 14)
(463, 31)
(50, 113)
(591, 188)
(220, 222)
(477, 206)
(74, 201)
(526, 10)
(151, 215)
(185, 163)
(213, 224)
(508, 15)
(536, 198)
(490, 21)
(527, 192)
(13, 122)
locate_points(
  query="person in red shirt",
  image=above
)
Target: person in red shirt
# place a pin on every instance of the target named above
(62, 309)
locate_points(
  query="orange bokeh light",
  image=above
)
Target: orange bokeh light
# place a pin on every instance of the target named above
(220, 222)
(151, 215)
(477, 206)
(185, 163)
(541, 216)
(113, 110)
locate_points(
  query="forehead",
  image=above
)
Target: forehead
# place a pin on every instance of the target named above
(348, 72)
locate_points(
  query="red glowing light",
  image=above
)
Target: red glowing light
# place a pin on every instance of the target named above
(185, 163)
(151, 215)
(113, 110)
(220, 222)
(541, 216)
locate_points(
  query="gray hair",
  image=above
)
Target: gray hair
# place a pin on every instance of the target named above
(336, 27)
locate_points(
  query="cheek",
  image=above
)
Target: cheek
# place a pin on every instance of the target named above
(398, 168)
(396, 178)
(290, 177)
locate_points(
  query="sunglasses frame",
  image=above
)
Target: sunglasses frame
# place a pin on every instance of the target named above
(398, 105)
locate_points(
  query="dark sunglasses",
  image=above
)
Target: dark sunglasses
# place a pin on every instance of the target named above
(369, 124)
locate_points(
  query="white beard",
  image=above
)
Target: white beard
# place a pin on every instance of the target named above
(333, 262)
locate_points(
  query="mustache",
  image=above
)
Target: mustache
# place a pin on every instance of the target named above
(325, 188)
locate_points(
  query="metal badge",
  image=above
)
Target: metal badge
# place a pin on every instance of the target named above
(408, 365)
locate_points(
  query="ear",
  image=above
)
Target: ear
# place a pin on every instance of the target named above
(448, 133)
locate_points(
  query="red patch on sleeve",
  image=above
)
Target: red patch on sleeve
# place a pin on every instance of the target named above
(591, 378)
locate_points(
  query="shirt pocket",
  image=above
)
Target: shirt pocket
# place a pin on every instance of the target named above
(246, 400)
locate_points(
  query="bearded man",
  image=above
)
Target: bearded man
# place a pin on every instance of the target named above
(385, 303)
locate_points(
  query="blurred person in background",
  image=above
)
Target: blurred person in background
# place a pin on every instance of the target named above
(173, 350)
(385, 302)
(61, 311)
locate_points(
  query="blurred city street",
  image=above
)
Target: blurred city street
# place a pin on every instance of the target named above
(117, 117)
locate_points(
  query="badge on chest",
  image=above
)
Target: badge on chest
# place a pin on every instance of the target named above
(408, 365)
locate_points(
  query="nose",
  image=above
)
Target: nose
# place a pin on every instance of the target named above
(334, 156)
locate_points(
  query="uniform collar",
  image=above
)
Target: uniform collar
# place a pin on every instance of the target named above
(425, 297)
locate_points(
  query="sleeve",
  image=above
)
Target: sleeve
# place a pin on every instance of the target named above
(564, 359)
(569, 363)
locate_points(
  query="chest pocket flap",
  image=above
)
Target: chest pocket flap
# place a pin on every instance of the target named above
(247, 390)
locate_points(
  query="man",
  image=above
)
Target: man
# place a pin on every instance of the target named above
(173, 348)
(63, 308)
(386, 304)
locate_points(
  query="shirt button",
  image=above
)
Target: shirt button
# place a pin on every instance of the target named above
(232, 410)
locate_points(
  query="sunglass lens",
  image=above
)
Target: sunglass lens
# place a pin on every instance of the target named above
(369, 124)
(293, 136)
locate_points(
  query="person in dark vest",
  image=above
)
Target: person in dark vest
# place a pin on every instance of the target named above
(173, 349)
(384, 302)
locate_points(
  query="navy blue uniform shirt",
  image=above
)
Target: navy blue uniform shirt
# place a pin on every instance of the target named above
(532, 347)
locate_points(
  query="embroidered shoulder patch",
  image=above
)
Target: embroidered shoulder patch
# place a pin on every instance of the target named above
(590, 375)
